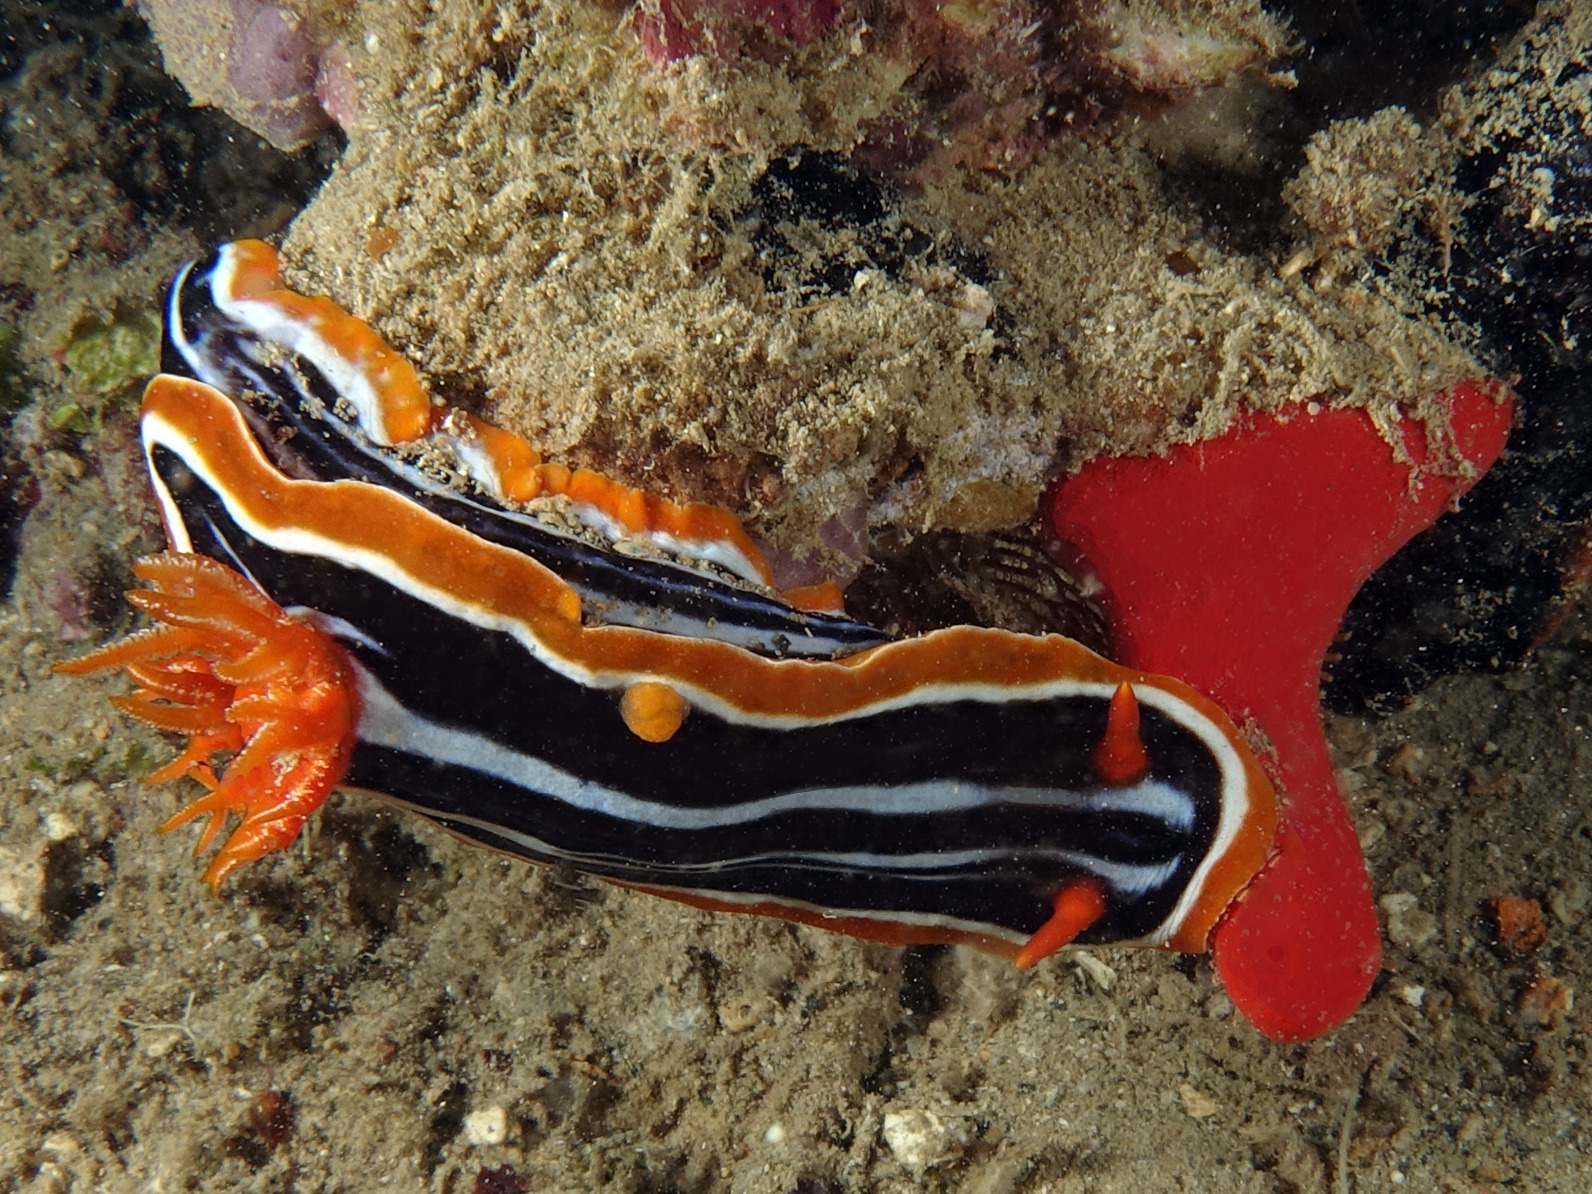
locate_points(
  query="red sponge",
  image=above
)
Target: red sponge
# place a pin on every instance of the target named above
(1229, 564)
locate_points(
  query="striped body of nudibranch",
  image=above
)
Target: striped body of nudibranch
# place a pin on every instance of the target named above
(610, 684)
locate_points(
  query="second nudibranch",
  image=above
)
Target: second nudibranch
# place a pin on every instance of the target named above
(369, 590)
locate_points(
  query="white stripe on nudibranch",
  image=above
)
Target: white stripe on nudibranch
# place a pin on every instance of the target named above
(535, 847)
(718, 552)
(268, 321)
(385, 721)
(1128, 881)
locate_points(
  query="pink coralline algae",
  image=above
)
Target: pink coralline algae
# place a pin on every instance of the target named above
(988, 83)
(272, 68)
(674, 29)
(1229, 564)
(259, 63)
(69, 603)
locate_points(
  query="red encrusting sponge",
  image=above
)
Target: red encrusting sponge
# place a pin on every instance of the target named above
(1229, 564)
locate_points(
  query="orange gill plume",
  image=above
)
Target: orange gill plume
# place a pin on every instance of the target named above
(236, 673)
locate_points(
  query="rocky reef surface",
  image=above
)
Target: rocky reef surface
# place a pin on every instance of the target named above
(872, 268)
(386, 1007)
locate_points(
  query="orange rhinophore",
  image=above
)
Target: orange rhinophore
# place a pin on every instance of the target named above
(236, 673)
(1120, 759)
(1078, 905)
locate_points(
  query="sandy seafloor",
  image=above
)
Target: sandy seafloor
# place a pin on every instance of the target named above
(384, 1008)
(393, 984)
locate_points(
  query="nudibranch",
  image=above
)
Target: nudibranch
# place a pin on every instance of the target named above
(574, 672)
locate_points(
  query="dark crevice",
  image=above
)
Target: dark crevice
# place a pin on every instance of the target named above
(170, 160)
(1485, 585)
(856, 222)
(1353, 59)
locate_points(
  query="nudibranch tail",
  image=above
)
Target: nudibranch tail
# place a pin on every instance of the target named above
(237, 674)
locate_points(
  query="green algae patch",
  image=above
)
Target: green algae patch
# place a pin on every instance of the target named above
(107, 358)
(108, 363)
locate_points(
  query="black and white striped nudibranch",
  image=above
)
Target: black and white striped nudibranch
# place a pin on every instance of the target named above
(370, 590)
